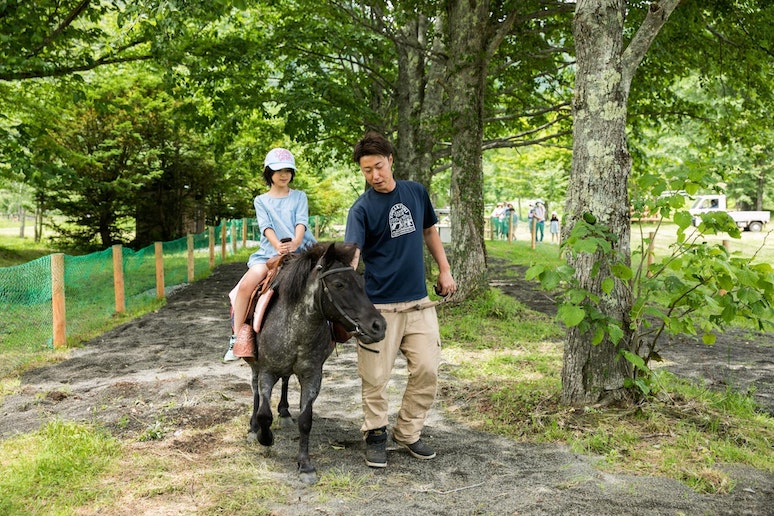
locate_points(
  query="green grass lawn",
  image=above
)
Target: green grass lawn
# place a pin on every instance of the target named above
(15, 250)
(758, 245)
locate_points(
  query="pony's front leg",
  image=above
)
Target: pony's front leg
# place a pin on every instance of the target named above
(310, 388)
(252, 433)
(260, 422)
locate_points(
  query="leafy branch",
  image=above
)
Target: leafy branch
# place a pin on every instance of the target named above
(699, 288)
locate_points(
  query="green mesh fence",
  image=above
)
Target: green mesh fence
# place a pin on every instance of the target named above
(25, 304)
(26, 323)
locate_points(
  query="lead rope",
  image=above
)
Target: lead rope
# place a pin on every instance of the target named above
(418, 306)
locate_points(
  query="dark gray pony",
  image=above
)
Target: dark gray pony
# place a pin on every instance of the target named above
(314, 287)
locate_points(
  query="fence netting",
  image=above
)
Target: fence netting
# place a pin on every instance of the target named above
(90, 298)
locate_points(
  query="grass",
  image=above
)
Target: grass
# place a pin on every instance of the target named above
(54, 469)
(15, 250)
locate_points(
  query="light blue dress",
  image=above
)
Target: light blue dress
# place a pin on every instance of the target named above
(282, 214)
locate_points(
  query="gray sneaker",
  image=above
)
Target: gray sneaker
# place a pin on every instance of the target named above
(419, 450)
(229, 356)
(376, 448)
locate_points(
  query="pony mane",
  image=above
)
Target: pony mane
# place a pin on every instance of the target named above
(294, 275)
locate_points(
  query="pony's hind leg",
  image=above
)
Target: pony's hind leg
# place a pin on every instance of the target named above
(284, 407)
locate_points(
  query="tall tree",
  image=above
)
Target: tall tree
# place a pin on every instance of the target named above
(597, 193)
(121, 159)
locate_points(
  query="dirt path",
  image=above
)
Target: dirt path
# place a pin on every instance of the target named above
(126, 378)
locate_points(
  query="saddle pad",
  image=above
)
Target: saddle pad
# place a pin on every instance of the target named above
(260, 309)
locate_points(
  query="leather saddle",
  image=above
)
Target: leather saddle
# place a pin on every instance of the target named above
(244, 347)
(260, 300)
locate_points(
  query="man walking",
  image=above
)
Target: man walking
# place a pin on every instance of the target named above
(389, 224)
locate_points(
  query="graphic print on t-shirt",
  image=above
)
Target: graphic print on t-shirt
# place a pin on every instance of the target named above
(401, 222)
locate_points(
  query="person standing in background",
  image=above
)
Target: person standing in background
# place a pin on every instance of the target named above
(497, 221)
(553, 227)
(540, 220)
(511, 219)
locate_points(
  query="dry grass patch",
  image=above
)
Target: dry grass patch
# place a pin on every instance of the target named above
(687, 436)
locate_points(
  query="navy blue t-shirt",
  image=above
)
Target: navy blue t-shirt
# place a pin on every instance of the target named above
(388, 230)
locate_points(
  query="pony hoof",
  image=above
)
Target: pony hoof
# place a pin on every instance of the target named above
(286, 422)
(266, 440)
(309, 478)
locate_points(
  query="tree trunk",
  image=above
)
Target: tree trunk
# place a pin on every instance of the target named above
(467, 72)
(38, 222)
(22, 220)
(419, 101)
(598, 185)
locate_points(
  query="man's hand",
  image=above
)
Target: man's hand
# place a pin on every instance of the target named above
(445, 285)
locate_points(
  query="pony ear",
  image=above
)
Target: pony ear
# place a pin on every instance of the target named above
(330, 254)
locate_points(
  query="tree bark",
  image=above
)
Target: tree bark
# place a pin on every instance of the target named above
(467, 72)
(599, 185)
(419, 102)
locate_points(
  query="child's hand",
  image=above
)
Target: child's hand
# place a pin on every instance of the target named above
(286, 246)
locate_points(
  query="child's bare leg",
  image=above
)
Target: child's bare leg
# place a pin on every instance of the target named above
(252, 278)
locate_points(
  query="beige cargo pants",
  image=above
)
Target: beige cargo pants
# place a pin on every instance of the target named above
(415, 334)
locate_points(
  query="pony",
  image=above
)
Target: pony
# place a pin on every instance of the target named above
(314, 290)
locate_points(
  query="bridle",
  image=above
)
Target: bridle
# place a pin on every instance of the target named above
(357, 331)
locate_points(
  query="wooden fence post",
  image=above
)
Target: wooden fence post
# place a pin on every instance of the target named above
(244, 232)
(58, 300)
(159, 246)
(211, 238)
(223, 241)
(190, 258)
(233, 236)
(118, 277)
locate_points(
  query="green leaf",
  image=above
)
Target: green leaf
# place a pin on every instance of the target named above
(533, 272)
(709, 338)
(642, 385)
(621, 271)
(571, 315)
(575, 296)
(725, 282)
(587, 245)
(634, 359)
(607, 285)
(549, 280)
(683, 219)
(615, 332)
